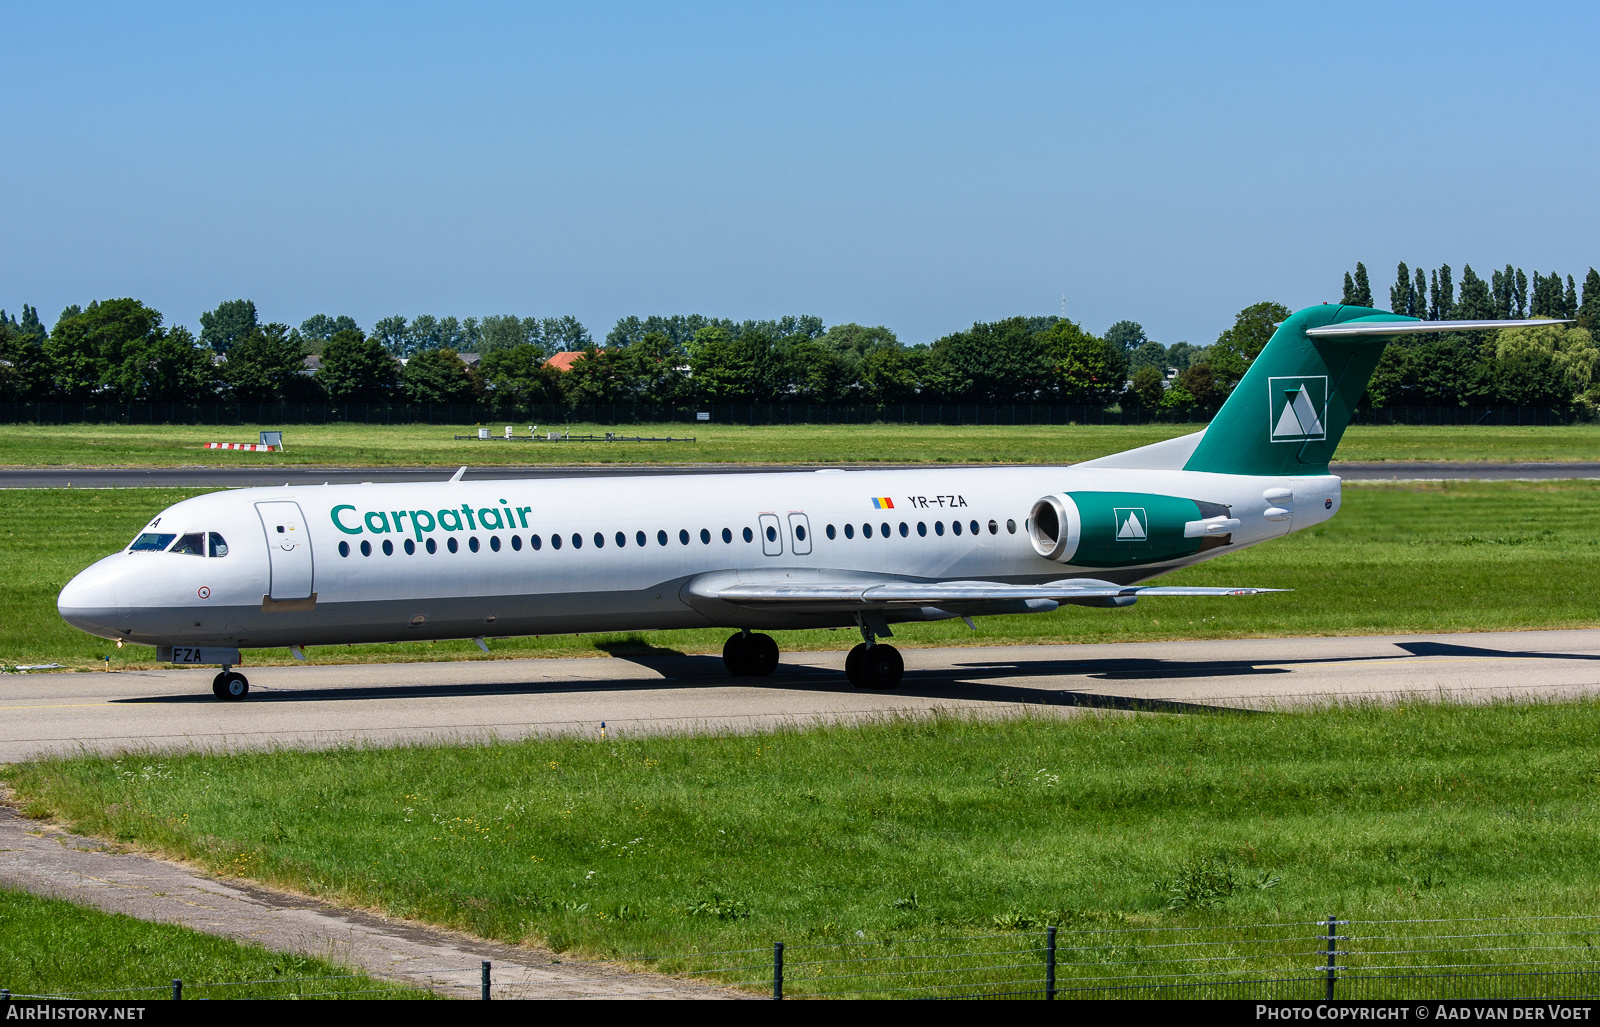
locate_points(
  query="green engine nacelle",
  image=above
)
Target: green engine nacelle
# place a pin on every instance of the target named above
(1121, 529)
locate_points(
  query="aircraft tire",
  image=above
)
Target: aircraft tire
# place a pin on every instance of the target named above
(852, 665)
(230, 687)
(760, 655)
(882, 668)
(733, 654)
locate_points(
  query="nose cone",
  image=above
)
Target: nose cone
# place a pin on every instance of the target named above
(89, 602)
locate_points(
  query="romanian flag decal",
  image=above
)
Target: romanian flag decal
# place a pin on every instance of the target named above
(882, 503)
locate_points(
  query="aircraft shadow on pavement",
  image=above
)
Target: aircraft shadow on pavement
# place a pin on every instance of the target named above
(1446, 649)
(999, 682)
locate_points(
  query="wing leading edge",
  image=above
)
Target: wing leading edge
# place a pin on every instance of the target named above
(883, 595)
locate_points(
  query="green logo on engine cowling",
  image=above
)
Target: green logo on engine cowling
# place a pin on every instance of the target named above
(1125, 528)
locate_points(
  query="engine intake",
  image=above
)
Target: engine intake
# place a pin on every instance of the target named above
(1055, 527)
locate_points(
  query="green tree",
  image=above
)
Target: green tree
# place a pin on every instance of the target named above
(519, 375)
(565, 333)
(1126, 335)
(1475, 304)
(994, 362)
(1400, 292)
(321, 327)
(815, 371)
(391, 333)
(356, 368)
(1588, 310)
(852, 342)
(1181, 355)
(889, 374)
(437, 376)
(1394, 379)
(268, 365)
(1148, 387)
(1444, 295)
(1520, 295)
(1085, 368)
(230, 322)
(654, 369)
(1363, 291)
(1419, 296)
(1572, 349)
(31, 327)
(86, 347)
(1569, 300)
(507, 331)
(1530, 378)
(718, 372)
(1348, 298)
(1548, 300)
(595, 377)
(1449, 371)
(24, 371)
(166, 368)
(1236, 347)
(1151, 354)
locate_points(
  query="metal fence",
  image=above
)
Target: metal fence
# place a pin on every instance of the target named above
(552, 414)
(1548, 957)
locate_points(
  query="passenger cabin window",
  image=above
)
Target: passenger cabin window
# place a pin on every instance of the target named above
(152, 542)
(192, 544)
(219, 545)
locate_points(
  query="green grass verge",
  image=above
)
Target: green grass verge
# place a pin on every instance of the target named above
(1454, 556)
(435, 445)
(53, 947)
(914, 828)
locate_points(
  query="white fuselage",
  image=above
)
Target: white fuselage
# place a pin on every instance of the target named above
(340, 570)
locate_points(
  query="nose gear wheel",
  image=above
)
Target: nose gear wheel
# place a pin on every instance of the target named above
(230, 686)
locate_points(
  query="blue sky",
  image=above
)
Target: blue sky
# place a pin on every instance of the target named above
(920, 165)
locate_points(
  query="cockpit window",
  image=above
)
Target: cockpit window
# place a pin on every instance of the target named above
(152, 542)
(192, 544)
(219, 545)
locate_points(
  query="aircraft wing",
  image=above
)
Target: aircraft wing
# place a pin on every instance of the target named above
(868, 595)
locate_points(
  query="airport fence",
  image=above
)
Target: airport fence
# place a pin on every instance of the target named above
(552, 415)
(1545, 957)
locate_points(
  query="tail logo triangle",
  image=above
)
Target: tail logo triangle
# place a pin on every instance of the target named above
(1298, 408)
(1132, 524)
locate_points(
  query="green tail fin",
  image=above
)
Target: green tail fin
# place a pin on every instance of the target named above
(1287, 414)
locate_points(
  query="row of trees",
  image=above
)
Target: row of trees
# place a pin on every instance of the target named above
(121, 349)
(1431, 295)
(1547, 365)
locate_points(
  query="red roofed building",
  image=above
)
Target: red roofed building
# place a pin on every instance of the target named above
(564, 361)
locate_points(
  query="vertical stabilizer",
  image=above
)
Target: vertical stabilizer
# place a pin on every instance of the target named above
(1287, 414)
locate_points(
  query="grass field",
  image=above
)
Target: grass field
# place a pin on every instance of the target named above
(435, 445)
(1455, 556)
(900, 829)
(53, 947)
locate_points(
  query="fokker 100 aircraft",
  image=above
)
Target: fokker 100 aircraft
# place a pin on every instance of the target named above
(334, 564)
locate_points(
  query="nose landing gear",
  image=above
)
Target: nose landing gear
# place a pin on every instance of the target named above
(230, 685)
(750, 655)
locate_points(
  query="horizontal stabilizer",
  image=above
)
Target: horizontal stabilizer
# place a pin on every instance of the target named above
(1365, 327)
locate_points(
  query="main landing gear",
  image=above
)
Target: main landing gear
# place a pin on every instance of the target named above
(750, 655)
(873, 664)
(230, 685)
(877, 667)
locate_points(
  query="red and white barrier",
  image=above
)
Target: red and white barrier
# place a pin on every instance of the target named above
(249, 447)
